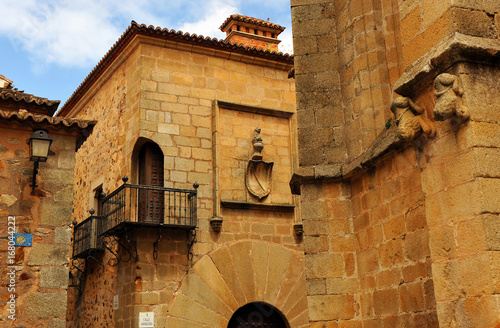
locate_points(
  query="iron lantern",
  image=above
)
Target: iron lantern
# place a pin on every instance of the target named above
(39, 144)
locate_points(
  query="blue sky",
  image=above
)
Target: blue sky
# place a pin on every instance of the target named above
(48, 47)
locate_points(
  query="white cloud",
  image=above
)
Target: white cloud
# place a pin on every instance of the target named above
(286, 45)
(77, 33)
(69, 33)
(215, 13)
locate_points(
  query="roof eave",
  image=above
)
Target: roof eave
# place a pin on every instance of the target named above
(137, 34)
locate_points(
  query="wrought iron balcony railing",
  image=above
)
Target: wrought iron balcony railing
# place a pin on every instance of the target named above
(86, 237)
(138, 205)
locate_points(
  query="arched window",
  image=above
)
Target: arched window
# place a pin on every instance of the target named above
(151, 202)
(257, 314)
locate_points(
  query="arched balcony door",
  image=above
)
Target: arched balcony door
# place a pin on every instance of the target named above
(151, 202)
(257, 314)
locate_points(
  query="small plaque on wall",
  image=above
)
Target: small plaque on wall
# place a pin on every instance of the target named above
(115, 302)
(23, 239)
(146, 319)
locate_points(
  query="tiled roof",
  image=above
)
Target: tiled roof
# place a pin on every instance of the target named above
(83, 127)
(22, 100)
(251, 20)
(5, 79)
(170, 35)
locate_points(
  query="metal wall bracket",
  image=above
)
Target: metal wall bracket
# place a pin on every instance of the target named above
(191, 240)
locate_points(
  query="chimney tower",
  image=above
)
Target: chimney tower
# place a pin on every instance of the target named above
(252, 32)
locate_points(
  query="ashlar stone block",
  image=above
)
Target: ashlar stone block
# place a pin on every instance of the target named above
(330, 307)
(47, 254)
(54, 277)
(42, 305)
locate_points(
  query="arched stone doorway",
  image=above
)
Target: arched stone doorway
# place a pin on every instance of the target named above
(237, 274)
(257, 314)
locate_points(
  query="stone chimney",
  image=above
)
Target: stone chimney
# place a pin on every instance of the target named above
(252, 32)
(5, 82)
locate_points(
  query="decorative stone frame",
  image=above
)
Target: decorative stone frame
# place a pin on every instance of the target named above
(236, 274)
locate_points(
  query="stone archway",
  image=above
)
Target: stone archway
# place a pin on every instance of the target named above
(258, 314)
(236, 274)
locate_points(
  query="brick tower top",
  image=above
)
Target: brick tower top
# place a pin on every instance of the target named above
(252, 32)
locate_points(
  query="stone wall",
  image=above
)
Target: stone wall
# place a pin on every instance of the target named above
(170, 97)
(41, 271)
(236, 133)
(393, 255)
(235, 274)
(347, 57)
(461, 186)
(114, 107)
(148, 284)
(416, 221)
(367, 247)
(424, 24)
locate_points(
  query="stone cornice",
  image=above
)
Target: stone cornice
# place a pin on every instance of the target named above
(387, 141)
(456, 48)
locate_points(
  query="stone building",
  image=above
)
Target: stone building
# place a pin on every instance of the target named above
(35, 212)
(398, 142)
(201, 232)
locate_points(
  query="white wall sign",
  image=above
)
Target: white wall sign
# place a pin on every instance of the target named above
(146, 319)
(115, 302)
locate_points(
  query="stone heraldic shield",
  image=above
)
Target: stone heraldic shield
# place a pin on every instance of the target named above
(258, 178)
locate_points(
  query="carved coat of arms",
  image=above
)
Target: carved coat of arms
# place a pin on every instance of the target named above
(258, 177)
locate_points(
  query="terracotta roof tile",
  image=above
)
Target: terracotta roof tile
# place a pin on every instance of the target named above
(165, 34)
(83, 127)
(251, 20)
(22, 99)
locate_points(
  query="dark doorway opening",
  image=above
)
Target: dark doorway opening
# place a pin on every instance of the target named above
(151, 202)
(257, 314)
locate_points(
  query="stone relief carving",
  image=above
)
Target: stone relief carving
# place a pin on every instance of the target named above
(449, 100)
(259, 173)
(258, 145)
(409, 119)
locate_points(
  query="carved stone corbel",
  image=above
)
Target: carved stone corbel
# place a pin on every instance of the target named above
(258, 175)
(409, 119)
(449, 100)
(216, 223)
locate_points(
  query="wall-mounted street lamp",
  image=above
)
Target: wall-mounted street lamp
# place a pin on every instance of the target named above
(39, 144)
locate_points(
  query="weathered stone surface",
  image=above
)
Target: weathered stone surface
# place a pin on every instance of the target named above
(42, 305)
(449, 102)
(57, 323)
(437, 207)
(457, 48)
(54, 277)
(241, 254)
(7, 199)
(276, 270)
(55, 214)
(66, 160)
(57, 176)
(330, 307)
(64, 195)
(47, 254)
(195, 288)
(62, 235)
(184, 307)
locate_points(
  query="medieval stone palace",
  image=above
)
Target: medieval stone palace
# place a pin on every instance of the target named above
(196, 182)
